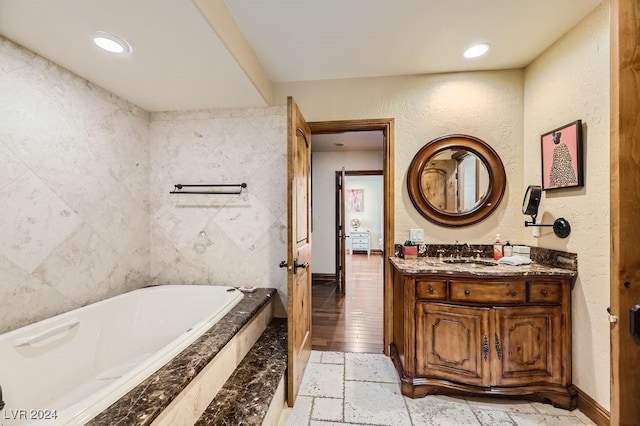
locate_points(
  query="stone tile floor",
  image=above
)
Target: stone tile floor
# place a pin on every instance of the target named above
(363, 389)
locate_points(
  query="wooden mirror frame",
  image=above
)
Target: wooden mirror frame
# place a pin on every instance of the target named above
(491, 200)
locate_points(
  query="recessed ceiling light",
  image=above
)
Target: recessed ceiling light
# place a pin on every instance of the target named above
(111, 43)
(476, 50)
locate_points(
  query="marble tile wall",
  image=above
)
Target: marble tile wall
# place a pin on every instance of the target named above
(74, 182)
(219, 239)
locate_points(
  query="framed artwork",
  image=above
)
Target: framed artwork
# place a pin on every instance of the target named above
(355, 200)
(562, 157)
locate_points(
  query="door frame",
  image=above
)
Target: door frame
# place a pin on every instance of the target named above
(387, 127)
(624, 199)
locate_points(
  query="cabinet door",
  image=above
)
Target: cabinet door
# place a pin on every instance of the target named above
(452, 343)
(528, 345)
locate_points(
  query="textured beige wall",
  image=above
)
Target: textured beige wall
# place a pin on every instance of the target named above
(488, 105)
(570, 81)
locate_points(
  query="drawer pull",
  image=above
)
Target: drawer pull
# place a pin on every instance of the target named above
(431, 290)
(485, 347)
(467, 292)
(514, 294)
(544, 292)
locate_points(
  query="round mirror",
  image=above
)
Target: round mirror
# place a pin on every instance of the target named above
(456, 180)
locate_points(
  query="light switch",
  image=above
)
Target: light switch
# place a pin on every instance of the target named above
(416, 235)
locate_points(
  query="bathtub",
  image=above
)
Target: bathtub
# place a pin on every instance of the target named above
(69, 368)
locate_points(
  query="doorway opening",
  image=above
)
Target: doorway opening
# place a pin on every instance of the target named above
(349, 247)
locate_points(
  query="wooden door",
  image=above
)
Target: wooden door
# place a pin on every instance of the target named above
(299, 248)
(625, 202)
(433, 185)
(452, 343)
(528, 345)
(341, 233)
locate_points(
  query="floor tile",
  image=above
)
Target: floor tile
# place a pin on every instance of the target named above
(493, 417)
(582, 417)
(327, 409)
(370, 368)
(374, 403)
(325, 380)
(434, 411)
(359, 389)
(315, 356)
(550, 409)
(522, 419)
(333, 357)
(299, 414)
(501, 404)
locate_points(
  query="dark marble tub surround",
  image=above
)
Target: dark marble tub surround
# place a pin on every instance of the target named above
(147, 400)
(434, 265)
(247, 394)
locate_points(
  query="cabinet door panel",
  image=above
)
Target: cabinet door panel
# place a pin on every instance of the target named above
(452, 343)
(528, 345)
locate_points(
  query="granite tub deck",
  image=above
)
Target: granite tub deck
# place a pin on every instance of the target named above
(434, 265)
(147, 401)
(246, 397)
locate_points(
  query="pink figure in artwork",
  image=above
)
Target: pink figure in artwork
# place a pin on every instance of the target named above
(562, 172)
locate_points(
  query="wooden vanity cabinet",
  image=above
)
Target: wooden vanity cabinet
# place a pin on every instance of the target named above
(484, 335)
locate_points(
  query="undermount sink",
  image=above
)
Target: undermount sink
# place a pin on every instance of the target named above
(471, 261)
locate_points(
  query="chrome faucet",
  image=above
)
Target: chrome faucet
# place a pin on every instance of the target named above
(460, 248)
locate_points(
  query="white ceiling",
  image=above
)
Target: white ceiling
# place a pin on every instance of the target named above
(347, 141)
(180, 63)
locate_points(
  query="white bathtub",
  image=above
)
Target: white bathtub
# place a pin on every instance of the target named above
(76, 364)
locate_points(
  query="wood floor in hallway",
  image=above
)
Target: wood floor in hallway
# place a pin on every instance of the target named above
(351, 323)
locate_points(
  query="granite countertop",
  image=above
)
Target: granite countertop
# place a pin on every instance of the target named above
(434, 265)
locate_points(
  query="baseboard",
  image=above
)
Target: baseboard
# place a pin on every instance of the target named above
(592, 409)
(323, 277)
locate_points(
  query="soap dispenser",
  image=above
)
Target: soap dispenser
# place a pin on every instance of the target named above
(497, 248)
(507, 250)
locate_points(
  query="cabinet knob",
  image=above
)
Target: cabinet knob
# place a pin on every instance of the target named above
(467, 292)
(513, 293)
(544, 292)
(431, 290)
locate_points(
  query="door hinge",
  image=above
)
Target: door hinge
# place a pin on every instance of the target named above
(562, 319)
(562, 371)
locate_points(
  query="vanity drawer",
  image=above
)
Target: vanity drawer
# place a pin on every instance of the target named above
(359, 240)
(359, 246)
(432, 290)
(545, 292)
(488, 292)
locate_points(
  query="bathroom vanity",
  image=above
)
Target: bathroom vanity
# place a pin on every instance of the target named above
(476, 328)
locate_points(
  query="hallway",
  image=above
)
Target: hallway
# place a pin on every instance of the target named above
(352, 323)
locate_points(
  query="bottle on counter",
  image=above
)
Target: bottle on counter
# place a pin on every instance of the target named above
(497, 248)
(507, 249)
